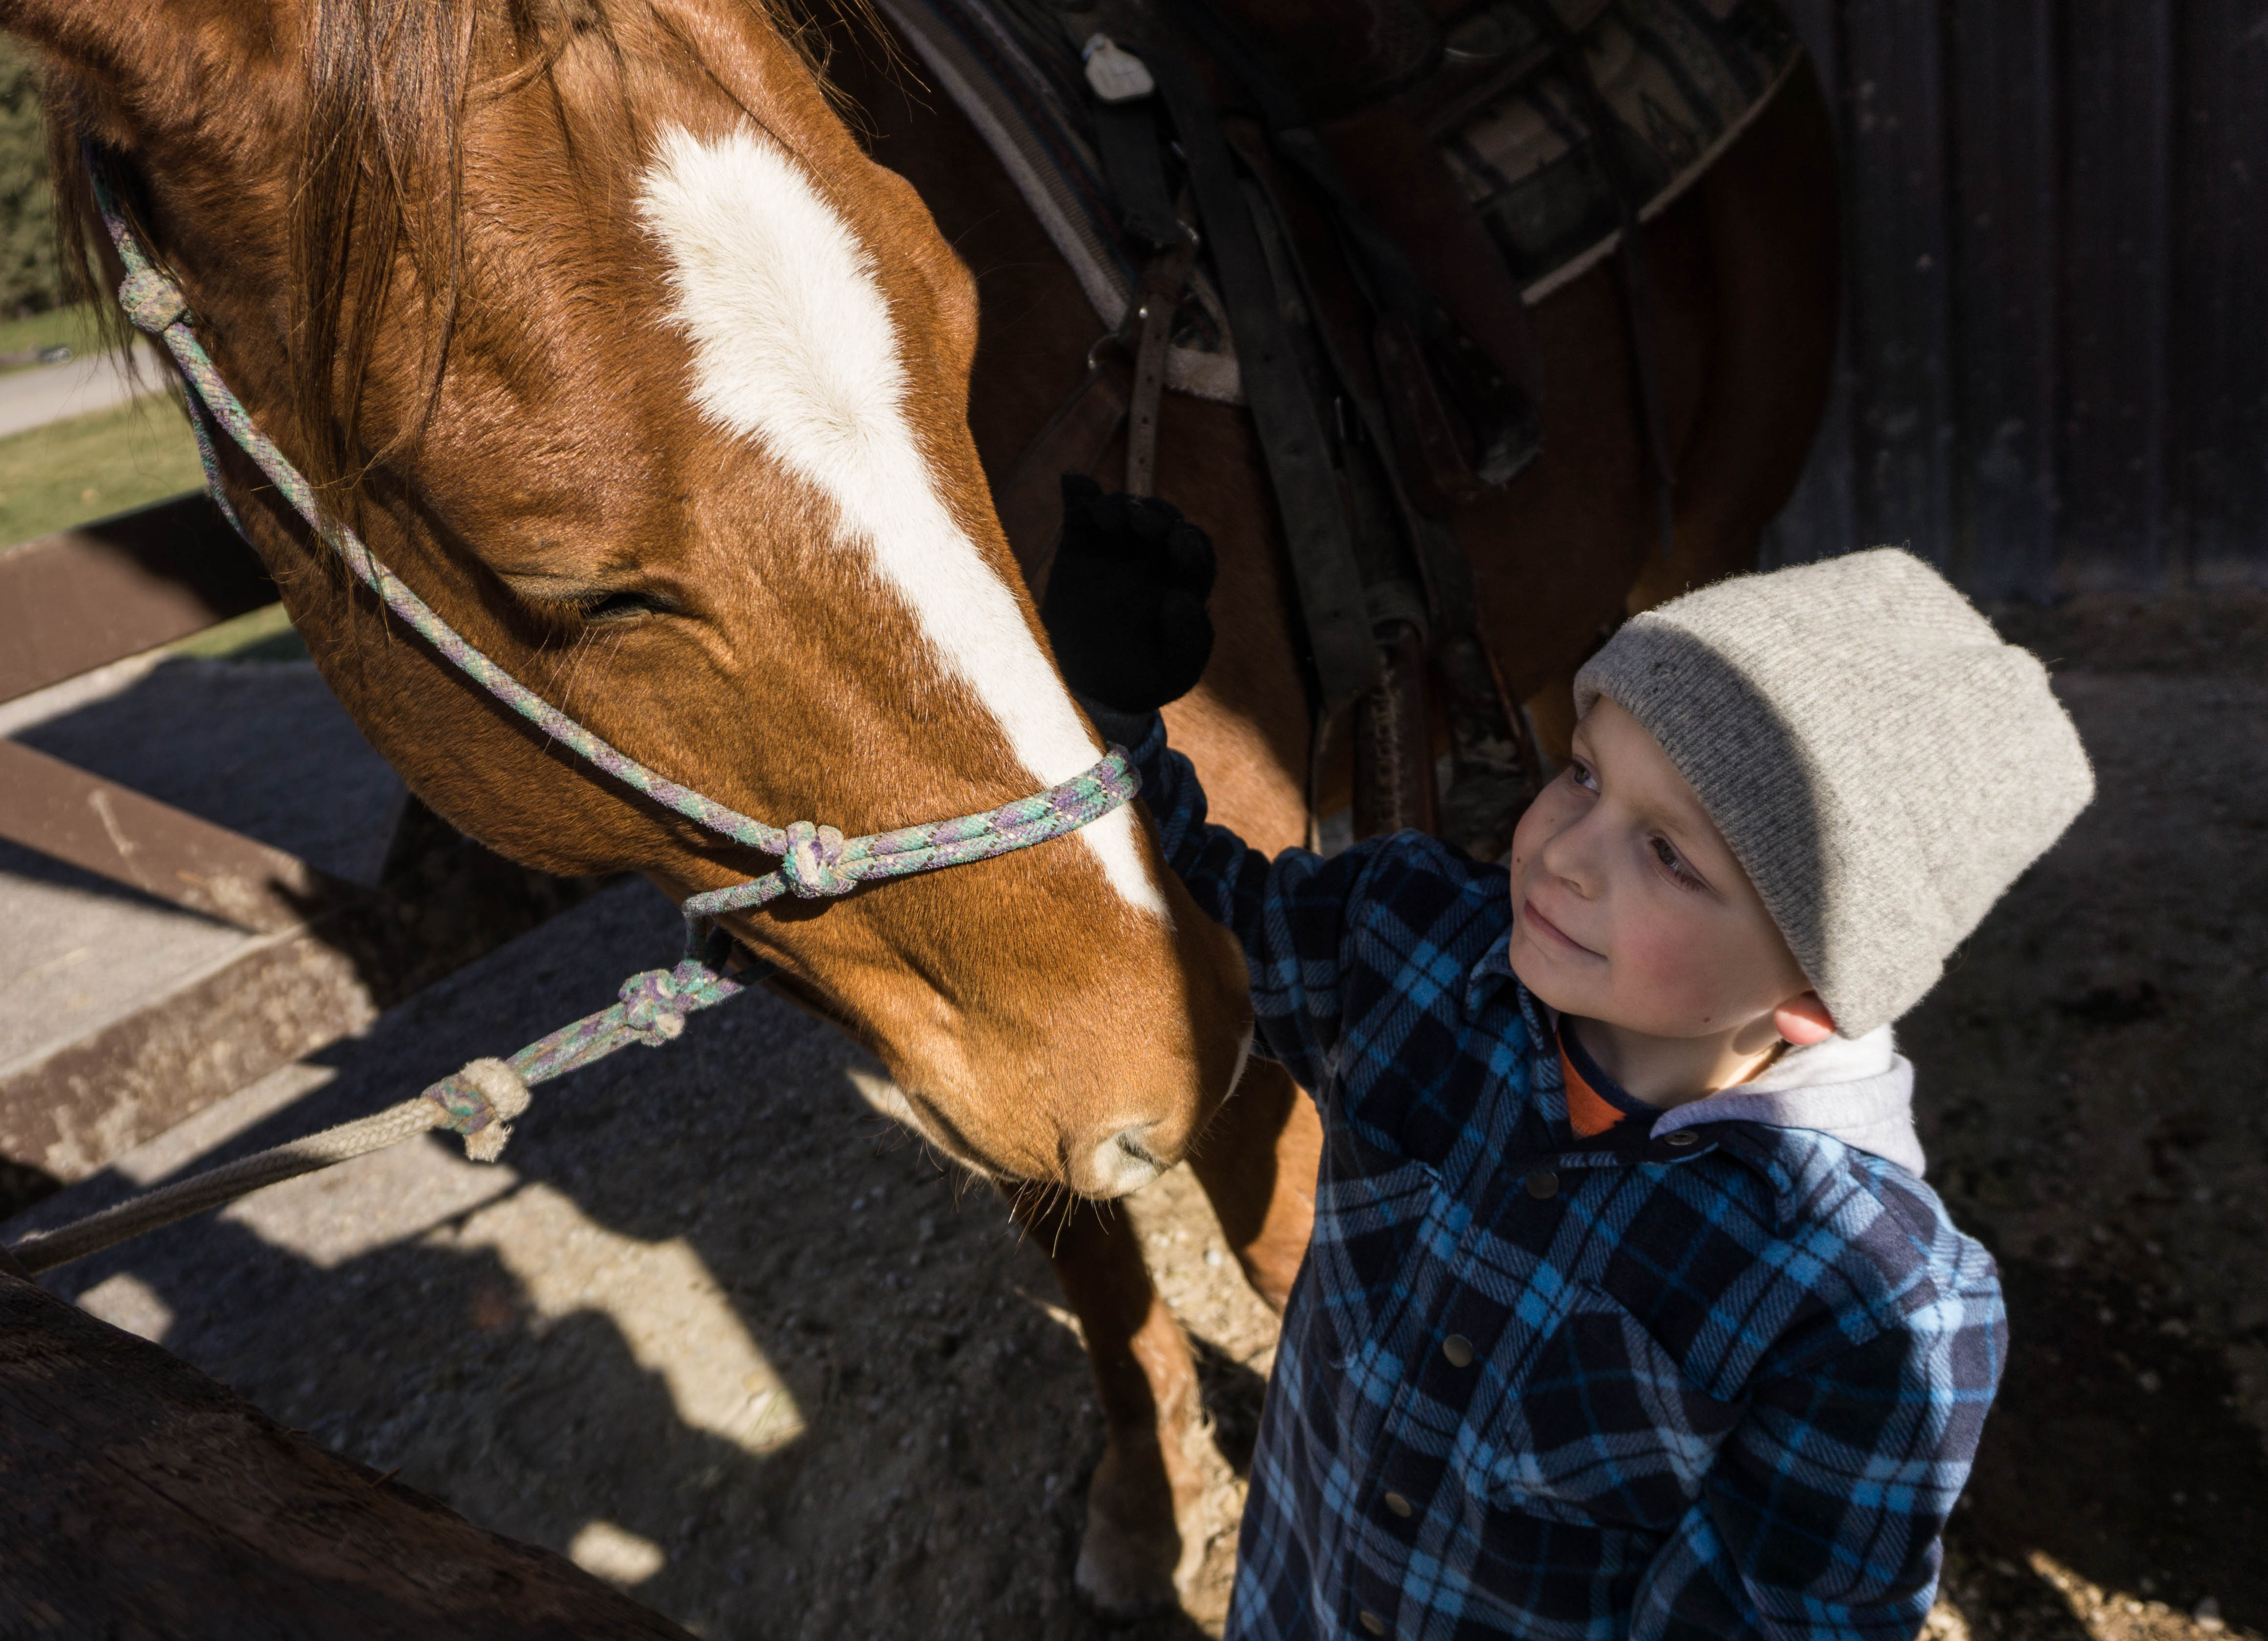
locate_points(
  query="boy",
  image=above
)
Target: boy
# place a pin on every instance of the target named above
(1626, 1311)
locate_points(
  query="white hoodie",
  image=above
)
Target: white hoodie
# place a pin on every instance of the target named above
(1859, 1090)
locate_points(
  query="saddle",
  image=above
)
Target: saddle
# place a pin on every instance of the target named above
(1360, 198)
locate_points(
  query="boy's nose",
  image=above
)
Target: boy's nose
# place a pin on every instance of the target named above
(1570, 854)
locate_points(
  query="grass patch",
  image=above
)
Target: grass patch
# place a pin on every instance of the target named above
(71, 327)
(91, 466)
(260, 635)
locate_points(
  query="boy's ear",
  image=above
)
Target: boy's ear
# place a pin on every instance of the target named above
(1803, 1020)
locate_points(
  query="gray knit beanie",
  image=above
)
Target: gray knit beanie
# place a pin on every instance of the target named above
(1881, 764)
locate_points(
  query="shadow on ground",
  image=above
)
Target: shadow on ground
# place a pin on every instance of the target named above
(714, 1328)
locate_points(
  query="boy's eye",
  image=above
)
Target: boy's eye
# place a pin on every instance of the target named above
(1580, 774)
(1670, 858)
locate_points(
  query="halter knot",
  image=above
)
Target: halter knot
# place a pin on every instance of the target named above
(811, 865)
(656, 1002)
(152, 301)
(653, 1007)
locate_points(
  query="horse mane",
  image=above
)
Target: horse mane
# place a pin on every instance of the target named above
(379, 186)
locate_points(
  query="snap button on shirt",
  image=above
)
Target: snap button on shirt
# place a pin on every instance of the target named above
(1371, 1621)
(1459, 1349)
(1542, 1183)
(1399, 1505)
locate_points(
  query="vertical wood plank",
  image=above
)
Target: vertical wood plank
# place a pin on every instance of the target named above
(1899, 334)
(2055, 363)
(2117, 216)
(2217, 335)
(2003, 175)
(1820, 520)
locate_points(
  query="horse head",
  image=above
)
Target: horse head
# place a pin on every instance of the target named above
(597, 323)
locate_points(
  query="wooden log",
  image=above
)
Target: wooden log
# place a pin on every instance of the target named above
(99, 826)
(68, 1112)
(139, 1498)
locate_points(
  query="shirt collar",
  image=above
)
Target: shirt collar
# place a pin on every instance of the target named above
(1492, 970)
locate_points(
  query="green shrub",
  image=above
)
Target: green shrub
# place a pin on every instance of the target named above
(30, 281)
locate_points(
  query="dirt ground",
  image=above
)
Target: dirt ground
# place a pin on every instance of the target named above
(727, 1337)
(2092, 1088)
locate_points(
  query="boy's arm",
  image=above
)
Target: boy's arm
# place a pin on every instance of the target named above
(1822, 1514)
(1125, 612)
(1288, 914)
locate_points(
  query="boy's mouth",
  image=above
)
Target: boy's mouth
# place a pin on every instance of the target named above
(1551, 932)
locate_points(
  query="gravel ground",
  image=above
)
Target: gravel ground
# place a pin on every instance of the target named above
(721, 1333)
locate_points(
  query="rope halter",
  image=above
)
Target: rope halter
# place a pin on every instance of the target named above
(816, 861)
(481, 1101)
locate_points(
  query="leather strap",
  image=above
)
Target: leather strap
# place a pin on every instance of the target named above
(1127, 134)
(1637, 305)
(1160, 294)
(1317, 531)
(1495, 769)
(1301, 348)
(1030, 500)
(1494, 764)
(1495, 429)
(1396, 171)
(1393, 741)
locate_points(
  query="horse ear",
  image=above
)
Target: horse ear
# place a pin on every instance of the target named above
(146, 55)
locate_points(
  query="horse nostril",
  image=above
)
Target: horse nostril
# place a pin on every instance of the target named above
(1123, 1163)
(1130, 1143)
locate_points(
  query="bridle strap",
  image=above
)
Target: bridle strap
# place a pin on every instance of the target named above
(817, 861)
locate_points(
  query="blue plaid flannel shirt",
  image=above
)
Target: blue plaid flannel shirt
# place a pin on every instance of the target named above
(1530, 1385)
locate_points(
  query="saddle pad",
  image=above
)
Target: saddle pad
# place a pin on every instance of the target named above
(1683, 79)
(1683, 76)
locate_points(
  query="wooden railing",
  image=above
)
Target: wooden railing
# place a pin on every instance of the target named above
(327, 954)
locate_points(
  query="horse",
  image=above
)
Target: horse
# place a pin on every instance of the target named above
(616, 349)
(601, 325)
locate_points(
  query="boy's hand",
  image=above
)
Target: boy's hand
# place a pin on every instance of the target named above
(1125, 606)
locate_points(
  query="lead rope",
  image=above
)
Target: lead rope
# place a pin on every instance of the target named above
(480, 1101)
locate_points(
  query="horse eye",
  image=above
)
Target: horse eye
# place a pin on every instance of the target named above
(626, 606)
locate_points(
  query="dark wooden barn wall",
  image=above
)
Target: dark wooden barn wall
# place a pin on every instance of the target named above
(2055, 363)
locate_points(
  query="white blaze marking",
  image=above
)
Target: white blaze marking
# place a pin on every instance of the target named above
(793, 346)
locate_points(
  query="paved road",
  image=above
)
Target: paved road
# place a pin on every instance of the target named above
(79, 387)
